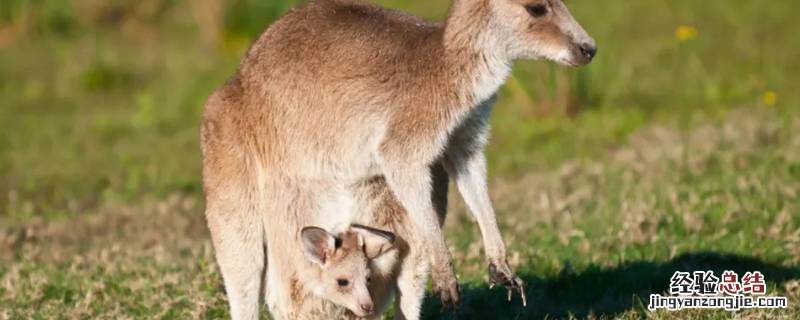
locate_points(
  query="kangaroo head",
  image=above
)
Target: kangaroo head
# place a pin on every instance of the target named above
(344, 274)
(543, 29)
(527, 29)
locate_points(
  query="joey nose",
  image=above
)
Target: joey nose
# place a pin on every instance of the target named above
(588, 50)
(367, 308)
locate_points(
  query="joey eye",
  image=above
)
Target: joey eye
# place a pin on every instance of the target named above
(342, 282)
(369, 280)
(537, 10)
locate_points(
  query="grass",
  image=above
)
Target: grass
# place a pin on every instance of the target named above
(598, 236)
(676, 150)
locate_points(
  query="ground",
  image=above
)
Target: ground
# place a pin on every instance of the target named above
(676, 150)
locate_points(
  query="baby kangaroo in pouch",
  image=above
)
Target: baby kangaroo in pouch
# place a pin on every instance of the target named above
(342, 273)
(380, 248)
(338, 92)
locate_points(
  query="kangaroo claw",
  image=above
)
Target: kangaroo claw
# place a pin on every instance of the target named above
(445, 285)
(503, 275)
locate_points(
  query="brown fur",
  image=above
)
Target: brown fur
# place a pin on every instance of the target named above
(338, 92)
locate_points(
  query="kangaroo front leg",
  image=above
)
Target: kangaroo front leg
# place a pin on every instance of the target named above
(469, 171)
(412, 187)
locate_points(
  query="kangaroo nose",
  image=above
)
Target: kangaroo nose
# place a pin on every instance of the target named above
(367, 308)
(588, 50)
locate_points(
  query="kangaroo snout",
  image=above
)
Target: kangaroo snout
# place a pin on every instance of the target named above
(367, 308)
(363, 309)
(588, 50)
(585, 53)
(582, 53)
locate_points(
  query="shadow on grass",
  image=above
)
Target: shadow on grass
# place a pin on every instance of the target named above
(598, 291)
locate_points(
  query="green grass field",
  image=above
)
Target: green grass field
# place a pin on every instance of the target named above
(678, 149)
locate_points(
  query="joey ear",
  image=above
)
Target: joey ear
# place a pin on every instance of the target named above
(318, 244)
(375, 242)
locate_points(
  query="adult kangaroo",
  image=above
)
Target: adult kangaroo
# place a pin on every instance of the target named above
(337, 92)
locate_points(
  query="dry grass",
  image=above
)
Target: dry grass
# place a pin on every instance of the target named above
(149, 261)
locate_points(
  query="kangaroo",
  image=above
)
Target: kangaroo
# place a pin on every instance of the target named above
(341, 285)
(389, 259)
(337, 92)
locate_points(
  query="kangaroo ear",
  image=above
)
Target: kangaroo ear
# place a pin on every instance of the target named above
(375, 242)
(318, 244)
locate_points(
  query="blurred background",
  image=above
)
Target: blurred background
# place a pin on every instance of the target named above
(678, 144)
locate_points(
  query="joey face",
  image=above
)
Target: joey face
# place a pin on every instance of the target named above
(533, 29)
(344, 262)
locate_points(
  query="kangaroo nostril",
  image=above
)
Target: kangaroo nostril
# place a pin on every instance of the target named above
(588, 50)
(366, 308)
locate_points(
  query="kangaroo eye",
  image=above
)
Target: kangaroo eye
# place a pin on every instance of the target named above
(342, 282)
(369, 280)
(537, 10)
